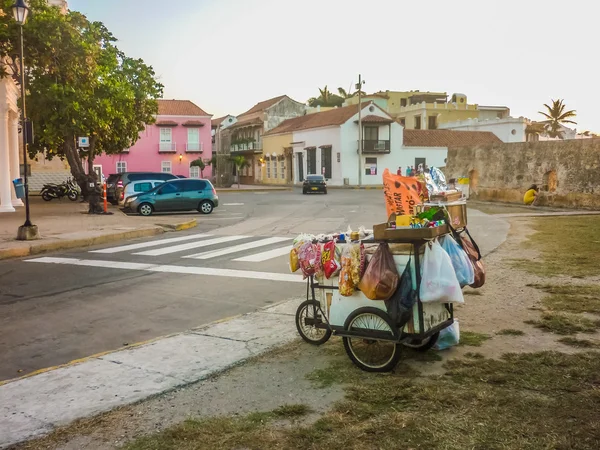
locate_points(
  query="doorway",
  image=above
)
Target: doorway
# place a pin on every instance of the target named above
(300, 167)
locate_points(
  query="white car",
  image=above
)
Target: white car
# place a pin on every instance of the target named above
(137, 187)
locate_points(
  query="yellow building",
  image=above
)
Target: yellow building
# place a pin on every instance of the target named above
(277, 159)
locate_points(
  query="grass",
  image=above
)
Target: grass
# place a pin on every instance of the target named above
(473, 339)
(571, 298)
(565, 324)
(525, 401)
(568, 246)
(510, 332)
(578, 343)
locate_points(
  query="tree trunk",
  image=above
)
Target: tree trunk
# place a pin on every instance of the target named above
(237, 169)
(83, 180)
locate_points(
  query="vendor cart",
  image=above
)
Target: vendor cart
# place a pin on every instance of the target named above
(372, 339)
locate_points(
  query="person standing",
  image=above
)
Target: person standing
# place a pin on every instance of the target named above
(399, 172)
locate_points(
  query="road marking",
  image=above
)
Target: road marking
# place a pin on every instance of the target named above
(259, 257)
(190, 245)
(205, 271)
(125, 248)
(233, 204)
(238, 248)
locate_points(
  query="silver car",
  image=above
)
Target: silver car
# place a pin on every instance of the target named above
(137, 187)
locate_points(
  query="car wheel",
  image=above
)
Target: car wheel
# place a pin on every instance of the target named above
(145, 209)
(205, 207)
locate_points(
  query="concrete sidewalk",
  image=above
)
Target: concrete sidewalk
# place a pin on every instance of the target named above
(65, 224)
(35, 405)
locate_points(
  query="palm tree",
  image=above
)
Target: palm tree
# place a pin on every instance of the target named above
(239, 162)
(199, 163)
(557, 116)
(325, 98)
(348, 93)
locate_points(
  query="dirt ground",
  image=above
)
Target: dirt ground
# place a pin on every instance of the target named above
(279, 378)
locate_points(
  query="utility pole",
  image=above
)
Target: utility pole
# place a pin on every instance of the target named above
(359, 86)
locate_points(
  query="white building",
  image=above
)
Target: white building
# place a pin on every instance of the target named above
(508, 129)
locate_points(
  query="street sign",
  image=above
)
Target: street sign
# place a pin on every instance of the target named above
(84, 142)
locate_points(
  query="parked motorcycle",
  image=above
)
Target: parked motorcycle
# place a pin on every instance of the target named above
(67, 189)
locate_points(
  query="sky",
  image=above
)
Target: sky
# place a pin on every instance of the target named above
(227, 55)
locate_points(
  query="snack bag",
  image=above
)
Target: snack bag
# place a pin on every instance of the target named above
(309, 258)
(328, 260)
(346, 285)
(402, 194)
(294, 265)
(358, 262)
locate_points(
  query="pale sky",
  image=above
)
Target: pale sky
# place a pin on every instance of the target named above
(227, 55)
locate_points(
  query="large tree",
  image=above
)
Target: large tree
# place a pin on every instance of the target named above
(325, 98)
(80, 84)
(556, 116)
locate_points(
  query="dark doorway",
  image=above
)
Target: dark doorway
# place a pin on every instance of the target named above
(420, 161)
(311, 161)
(300, 167)
(326, 162)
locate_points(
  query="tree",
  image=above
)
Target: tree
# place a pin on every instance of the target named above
(201, 164)
(325, 98)
(80, 84)
(239, 162)
(557, 116)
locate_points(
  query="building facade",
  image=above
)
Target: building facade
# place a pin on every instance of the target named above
(180, 135)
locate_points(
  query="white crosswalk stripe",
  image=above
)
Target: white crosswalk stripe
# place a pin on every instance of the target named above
(260, 257)
(238, 248)
(126, 248)
(190, 245)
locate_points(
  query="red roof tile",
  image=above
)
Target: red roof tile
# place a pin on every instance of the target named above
(166, 123)
(218, 121)
(193, 123)
(376, 119)
(448, 138)
(179, 108)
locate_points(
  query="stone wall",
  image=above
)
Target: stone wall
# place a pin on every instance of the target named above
(567, 172)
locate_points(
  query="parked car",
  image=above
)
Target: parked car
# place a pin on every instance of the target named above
(175, 195)
(314, 183)
(137, 187)
(112, 191)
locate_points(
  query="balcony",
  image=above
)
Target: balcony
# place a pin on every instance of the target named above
(376, 146)
(246, 146)
(167, 147)
(193, 147)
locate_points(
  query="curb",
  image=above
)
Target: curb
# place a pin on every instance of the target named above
(356, 188)
(179, 226)
(238, 191)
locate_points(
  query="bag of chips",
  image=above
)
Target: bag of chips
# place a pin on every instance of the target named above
(330, 260)
(346, 286)
(309, 258)
(294, 265)
(357, 254)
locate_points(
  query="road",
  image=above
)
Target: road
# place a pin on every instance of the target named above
(64, 306)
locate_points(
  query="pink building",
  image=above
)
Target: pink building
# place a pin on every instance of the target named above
(181, 134)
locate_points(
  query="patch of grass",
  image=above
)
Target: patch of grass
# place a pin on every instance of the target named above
(510, 332)
(292, 411)
(533, 401)
(571, 298)
(473, 339)
(568, 246)
(564, 324)
(413, 355)
(578, 343)
(472, 292)
(474, 355)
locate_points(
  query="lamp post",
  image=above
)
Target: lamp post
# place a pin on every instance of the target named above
(27, 231)
(359, 86)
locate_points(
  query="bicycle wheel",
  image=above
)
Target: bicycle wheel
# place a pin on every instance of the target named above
(372, 355)
(310, 333)
(424, 345)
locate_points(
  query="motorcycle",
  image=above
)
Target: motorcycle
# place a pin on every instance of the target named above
(67, 189)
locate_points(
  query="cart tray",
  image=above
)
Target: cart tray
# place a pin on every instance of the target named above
(381, 232)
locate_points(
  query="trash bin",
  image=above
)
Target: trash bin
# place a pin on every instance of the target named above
(19, 188)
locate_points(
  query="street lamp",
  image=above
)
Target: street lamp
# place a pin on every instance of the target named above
(27, 231)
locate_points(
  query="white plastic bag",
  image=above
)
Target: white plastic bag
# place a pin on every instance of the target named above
(460, 261)
(449, 337)
(438, 280)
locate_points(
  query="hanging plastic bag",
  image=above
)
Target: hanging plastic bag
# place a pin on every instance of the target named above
(358, 262)
(346, 286)
(381, 276)
(330, 259)
(460, 261)
(449, 337)
(309, 258)
(472, 250)
(438, 280)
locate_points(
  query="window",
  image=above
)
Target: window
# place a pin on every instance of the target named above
(402, 102)
(371, 134)
(194, 172)
(370, 166)
(268, 168)
(282, 169)
(166, 138)
(142, 187)
(165, 167)
(194, 185)
(432, 123)
(121, 166)
(168, 188)
(193, 138)
(403, 122)
(275, 169)
(417, 122)
(326, 162)
(311, 161)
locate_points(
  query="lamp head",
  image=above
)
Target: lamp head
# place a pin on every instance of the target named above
(20, 11)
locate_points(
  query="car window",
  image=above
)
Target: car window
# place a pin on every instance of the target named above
(315, 178)
(168, 188)
(166, 176)
(142, 187)
(158, 183)
(194, 185)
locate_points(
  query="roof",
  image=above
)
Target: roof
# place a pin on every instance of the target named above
(166, 123)
(179, 108)
(244, 122)
(448, 138)
(218, 121)
(375, 119)
(193, 123)
(329, 118)
(261, 106)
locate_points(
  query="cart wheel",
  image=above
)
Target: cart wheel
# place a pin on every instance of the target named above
(369, 354)
(310, 333)
(424, 345)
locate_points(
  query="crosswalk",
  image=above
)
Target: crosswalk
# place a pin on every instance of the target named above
(224, 256)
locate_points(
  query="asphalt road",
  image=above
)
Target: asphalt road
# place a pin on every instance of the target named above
(68, 305)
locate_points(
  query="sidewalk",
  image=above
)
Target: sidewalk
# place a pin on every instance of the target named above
(65, 224)
(254, 188)
(35, 405)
